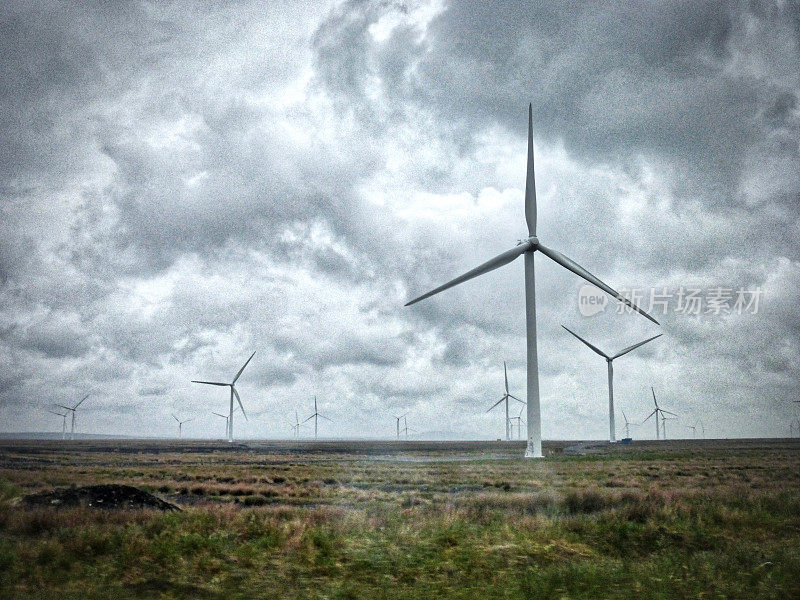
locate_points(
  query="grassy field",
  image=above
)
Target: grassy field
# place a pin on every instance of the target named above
(707, 519)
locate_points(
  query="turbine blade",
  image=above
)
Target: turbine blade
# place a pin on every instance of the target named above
(669, 413)
(654, 397)
(242, 369)
(629, 348)
(324, 417)
(221, 415)
(65, 407)
(235, 393)
(308, 419)
(490, 265)
(650, 415)
(595, 348)
(517, 399)
(176, 418)
(212, 383)
(496, 403)
(505, 372)
(82, 399)
(530, 180)
(571, 265)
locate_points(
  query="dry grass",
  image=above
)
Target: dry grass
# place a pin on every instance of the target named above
(303, 522)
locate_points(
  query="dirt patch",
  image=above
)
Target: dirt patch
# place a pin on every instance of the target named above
(99, 496)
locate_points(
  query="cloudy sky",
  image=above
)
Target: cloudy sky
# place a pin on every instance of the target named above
(183, 184)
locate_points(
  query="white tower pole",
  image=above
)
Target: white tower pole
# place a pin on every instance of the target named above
(230, 419)
(611, 427)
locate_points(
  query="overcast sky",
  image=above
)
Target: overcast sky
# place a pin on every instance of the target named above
(181, 185)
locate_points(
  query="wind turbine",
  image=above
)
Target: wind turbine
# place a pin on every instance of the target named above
(658, 412)
(694, 430)
(702, 428)
(295, 426)
(63, 422)
(73, 409)
(314, 416)
(180, 425)
(231, 385)
(398, 423)
(505, 398)
(519, 421)
(609, 360)
(226, 421)
(664, 423)
(528, 247)
(627, 425)
(407, 428)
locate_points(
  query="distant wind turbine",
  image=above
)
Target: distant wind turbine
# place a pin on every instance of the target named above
(314, 416)
(658, 412)
(407, 428)
(664, 423)
(528, 247)
(226, 421)
(609, 360)
(398, 423)
(231, 385)
(180, 425)
(73, 409)
(505, 398)
(519, 421)
(694, 430)
(63, 422)
(627, 425)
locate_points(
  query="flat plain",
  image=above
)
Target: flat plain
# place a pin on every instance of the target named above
(675, 519)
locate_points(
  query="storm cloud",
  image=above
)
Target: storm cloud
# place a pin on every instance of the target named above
(181, 185)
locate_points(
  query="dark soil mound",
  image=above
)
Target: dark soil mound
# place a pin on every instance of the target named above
(99, 496)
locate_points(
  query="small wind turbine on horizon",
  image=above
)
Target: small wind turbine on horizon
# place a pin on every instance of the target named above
(180, 425)
(519, 421)
(63, 422)
(314, 416)
(226, 421)
(398, 423)
(505, 398)
(627, 425)
(609, 360)
(694, 430)
(664, 424)
(529, 246)
(658, 412)
(73, 409)
(407, 428)
(231, 385)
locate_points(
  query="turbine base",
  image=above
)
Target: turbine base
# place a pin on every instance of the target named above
(532, 451)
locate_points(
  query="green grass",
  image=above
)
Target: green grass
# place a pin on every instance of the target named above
(719, 524)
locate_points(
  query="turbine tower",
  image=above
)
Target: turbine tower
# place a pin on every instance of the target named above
(63, 422)
(180, 425)
(609, 361)
(73, 409)
(407, 428)
(658, 412)
(231, 385)
(226, 421)
(314, 416)
(398, 423)
(528, 247)
(505, 398)
(664, 424)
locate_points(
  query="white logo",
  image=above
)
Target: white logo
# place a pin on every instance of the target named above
(591, 300)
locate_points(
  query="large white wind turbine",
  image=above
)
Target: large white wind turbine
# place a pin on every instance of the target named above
(73, 409)
(505, 398)
(658, 412)
(528, 247)
(63, 422)
(609, 360)
(314, 416)
(180, 425)
(231, 385)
